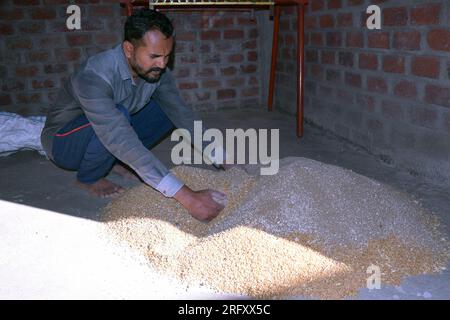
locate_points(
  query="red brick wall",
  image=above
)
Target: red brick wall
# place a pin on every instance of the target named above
(386, 90)
(216, 52)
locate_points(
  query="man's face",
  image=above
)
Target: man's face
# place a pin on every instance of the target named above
(149, 59)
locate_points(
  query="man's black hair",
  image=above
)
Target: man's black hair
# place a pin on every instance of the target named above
(144, 20)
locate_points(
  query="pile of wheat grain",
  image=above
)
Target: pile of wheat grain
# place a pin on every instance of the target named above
(311, 230)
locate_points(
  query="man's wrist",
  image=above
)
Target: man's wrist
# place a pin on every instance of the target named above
(183, 195)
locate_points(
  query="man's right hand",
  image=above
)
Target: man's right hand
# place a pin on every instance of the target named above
(200, 204)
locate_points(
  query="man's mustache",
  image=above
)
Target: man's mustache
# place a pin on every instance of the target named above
(155, 69)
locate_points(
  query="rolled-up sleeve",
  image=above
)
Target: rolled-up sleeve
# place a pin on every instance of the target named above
(116, 134)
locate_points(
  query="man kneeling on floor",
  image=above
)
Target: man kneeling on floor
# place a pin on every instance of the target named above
(118, 105)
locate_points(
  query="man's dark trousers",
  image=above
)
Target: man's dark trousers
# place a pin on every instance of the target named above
(77, 147)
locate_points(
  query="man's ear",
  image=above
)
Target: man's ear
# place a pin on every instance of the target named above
(128, 48)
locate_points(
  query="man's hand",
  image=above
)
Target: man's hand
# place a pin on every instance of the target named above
(201, 204)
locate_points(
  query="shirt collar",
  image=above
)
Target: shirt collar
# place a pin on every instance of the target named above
(124, 69)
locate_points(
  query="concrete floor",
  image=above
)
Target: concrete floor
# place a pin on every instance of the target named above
(29, 179)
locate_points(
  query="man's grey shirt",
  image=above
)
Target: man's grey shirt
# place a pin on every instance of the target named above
(103, 81)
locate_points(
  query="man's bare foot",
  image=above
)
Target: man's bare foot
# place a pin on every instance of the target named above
(124, 172)
(102, 188)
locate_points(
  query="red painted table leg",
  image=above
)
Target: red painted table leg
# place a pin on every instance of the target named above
(300, 67)
(276, 27)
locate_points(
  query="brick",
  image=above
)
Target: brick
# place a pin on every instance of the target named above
(353, 79)
(312, 56)
(101, 11)
(252, 44)
(427, 14)
(392, 110)
(250, 68)
(11, 14)
(55, 68)
(13, 85)
(290, 40)
(237, 57)
(253, 33)
(210, 35)
(6, 29)
(211, 58)
(250, 92)
(397, 16)
(63, 55)
(106, 38)
(32, 27)
(211, 84)
(368, 61)
(334, 39)
(222, 22)
(79, 39)
(19, 43)
(203, 96)
(378, 40)
(333, 75)
(355, 2)
(394, 64)
(316, 71)
(233, 34)
(53, 41)
(346, 59)
(26, 2)
(188, 85)
(326, 21)
(334, 4)
(204, 48)
(407, 40)
(377, 84)
(425, 67)
(317, 5)
(228, 71)
(187, 59)
(185, 36)
(437, 95)
(206, 72)
(253, 81)
(252, 56)
(405, 89)
(345, 20)
(63, 1)
(26, 71)
(355, 39)
(424, 117)
(5, 99)
(182, 72)
(439, 39)
(28, 97)
(327, 57)
(236, 82)
(311, 22)
(226, 94)
(45, 13)
(316, 39)
(38, 56)
(43, 84)
(246, 21)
